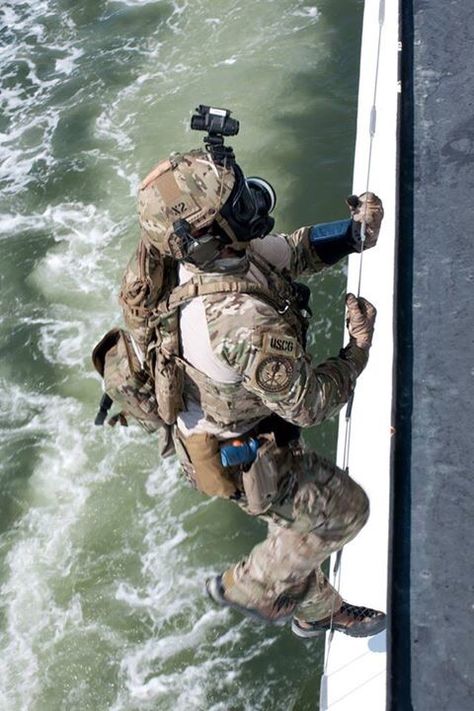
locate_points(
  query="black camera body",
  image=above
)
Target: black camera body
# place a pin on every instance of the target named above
(217, 123)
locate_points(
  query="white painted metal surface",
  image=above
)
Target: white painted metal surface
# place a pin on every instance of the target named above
(355, 675)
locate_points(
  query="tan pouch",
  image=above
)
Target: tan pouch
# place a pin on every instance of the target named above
(169, 386)
(129, 386)
(210, 476)
(142, 285)
(261, 480)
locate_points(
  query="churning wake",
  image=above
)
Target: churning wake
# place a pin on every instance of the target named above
(104, 549)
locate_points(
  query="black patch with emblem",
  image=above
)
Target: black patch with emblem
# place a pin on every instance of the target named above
(274, 373)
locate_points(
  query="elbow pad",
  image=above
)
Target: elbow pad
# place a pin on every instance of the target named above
(334, 240)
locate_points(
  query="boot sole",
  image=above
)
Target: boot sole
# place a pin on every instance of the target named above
(306, 632)
(366, 631)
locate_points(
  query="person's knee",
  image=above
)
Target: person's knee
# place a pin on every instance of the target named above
(360, 510)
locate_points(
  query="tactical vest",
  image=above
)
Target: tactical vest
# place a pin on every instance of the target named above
(225, 404)
(151, 303)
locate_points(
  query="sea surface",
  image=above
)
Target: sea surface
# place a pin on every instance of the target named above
(103, 548)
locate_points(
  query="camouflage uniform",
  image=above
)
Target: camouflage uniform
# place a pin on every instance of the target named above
(318, 507)
(243, 359)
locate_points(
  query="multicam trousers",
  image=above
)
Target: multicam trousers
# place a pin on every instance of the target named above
(318, 509)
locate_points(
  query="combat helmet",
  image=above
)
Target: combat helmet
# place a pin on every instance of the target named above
(193, 204)
(182, 193)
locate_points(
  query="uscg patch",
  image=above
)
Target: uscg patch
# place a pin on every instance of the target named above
(280, 345)
(274, 373)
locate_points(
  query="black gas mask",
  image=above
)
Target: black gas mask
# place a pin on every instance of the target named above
(247, 209)
(245, 216)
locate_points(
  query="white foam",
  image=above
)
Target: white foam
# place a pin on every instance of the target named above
(73, 277)
(17, 156)
(62, 342)
(41, 549)
(28, 106)
(229, 60)
(191, 686)
(68, 63)
(81, 260)
(311, 12)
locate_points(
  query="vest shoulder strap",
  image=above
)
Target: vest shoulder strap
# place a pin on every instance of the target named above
(230, 284)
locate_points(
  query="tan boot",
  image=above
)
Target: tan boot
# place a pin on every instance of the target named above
(349, 619)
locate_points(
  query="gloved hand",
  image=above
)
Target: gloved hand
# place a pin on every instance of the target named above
(360, 321)
(367, 208)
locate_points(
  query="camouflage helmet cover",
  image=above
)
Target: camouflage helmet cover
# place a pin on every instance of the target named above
(188, 186)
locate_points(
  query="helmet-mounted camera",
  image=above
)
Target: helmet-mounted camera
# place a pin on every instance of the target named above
(217, 123)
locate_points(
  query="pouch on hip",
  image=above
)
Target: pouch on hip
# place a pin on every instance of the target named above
(260, 481)
(210, 476)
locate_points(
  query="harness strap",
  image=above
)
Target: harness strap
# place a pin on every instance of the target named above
(224, 285)
(266, 268)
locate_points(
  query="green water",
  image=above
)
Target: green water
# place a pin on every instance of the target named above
(103, 549)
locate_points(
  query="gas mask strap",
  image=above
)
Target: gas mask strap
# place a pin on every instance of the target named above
(224, 225)
(221, 187)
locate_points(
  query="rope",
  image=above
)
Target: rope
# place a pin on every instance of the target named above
(348, 415)
(372, 126)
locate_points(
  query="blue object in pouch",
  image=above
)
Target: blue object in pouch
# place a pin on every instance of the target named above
(239, 452)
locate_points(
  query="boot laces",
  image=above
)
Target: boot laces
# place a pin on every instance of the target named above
(358, 613)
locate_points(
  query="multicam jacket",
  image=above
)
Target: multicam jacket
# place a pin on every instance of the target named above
(245, 359)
